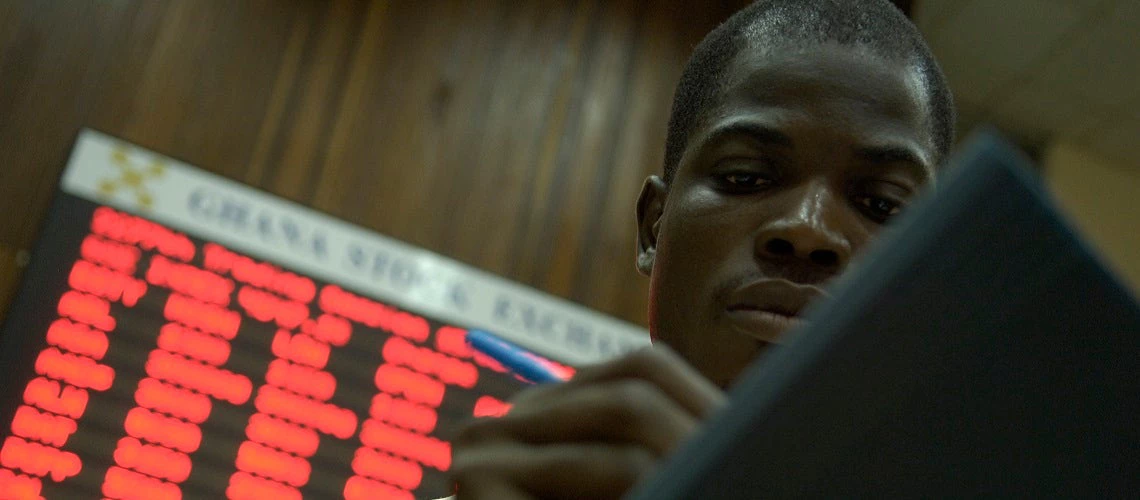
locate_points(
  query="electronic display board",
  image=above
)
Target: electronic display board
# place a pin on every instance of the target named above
(179, 335)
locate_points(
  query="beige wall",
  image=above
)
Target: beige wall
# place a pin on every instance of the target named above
(1104, 200)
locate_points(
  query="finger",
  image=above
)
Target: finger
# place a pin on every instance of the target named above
(658, 365)
(630, 411)
(571, 471)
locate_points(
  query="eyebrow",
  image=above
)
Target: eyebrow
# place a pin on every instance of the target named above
(879, 155)
(760, 133)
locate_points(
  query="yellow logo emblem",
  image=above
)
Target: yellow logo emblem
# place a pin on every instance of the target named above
(131, 177)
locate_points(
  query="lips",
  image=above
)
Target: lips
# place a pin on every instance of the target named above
(766, 309)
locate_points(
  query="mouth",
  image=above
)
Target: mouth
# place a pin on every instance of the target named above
(767, 309)
(767, 326)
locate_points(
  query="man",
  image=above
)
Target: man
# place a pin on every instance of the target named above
(799, 128)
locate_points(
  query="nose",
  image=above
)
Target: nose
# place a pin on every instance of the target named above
(806, 233)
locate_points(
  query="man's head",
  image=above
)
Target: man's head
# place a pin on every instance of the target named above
(799, 127)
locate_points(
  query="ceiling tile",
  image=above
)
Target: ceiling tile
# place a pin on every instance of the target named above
(987, 44)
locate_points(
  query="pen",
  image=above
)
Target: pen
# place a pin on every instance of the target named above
(513, 357)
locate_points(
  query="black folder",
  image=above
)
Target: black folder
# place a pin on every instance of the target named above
(980, 348)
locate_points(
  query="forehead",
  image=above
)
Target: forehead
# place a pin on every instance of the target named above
(845, 88)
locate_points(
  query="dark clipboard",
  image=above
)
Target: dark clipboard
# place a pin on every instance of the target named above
(981, 348)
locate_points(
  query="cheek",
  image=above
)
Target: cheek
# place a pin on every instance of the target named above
(698, 249)
(683, 268)
(693, 243)
(705, 231)
(704, 205)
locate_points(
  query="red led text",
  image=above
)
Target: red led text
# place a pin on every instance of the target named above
(122, 258)
(190, 281)
(136, 231)
(185, 404)
(77, 338)
(105, 283)
(323, 417)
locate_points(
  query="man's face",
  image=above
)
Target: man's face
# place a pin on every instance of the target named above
(801, 162)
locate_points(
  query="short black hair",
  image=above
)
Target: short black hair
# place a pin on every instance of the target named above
(875, 24)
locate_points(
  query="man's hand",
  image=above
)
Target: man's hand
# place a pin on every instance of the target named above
(592, 437)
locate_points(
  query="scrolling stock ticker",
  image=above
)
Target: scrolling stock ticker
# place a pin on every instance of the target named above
(150, 363)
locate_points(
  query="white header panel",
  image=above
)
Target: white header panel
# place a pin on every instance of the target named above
(106, 170)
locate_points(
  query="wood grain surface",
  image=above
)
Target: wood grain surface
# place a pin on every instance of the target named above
(508, 134)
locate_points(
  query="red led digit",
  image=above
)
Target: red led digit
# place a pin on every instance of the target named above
(77, 338)
(106, 220)
(413, 386)
(124, 228)
(103, 282)
(190, 281)
(374, 314)
(453, 341)
(257, 304)
(193, 344)
(323, 417)
(217, 259)
(403, 413)
(48, 395)
(39, 460)
(76, 370)
(295, 287)
(329, 328)
(262, 275)
(18, 486)
(206, 317)
(448, 369)
(187, 405)
(170, 432)
(264, 461)
(399, 351)
(387, 468)
(216, 382)
(30, 423)
(410, 326)
(333, 299)
(424, 449)
(122, 258)
(244, 486)
(301, 379)
(300, 348)
(185, 372)
(130, 485)
(290, 314)
(282, 435)
(487, 406)
(264, 306)
(87, 309)
(155, 461)
(362, 488)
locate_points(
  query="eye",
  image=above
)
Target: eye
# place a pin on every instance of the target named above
(745, 180)
(879, 199)
(879, 208)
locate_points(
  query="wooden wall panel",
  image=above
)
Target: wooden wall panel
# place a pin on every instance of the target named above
(511, 135)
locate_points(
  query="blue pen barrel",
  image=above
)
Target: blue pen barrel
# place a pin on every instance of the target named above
(513, 357)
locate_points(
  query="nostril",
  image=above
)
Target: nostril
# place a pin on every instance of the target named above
(777, 246)
(826, 258)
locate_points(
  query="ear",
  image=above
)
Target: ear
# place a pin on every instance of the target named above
(650, 206)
